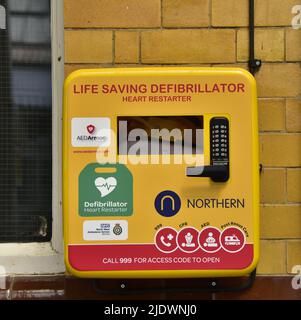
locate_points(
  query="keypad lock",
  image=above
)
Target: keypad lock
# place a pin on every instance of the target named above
(218, 170)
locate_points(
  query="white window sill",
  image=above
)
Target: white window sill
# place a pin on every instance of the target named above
(31, 258)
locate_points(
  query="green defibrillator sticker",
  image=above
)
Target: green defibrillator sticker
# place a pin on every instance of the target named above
(105, 190)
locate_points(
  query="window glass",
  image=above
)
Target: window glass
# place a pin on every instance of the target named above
(25, 122)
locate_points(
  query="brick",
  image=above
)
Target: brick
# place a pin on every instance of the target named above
(271, 114)
(269, 44)
(272, 258)
(112, 14)
(293, 254)
(293, 115)
(279, 80)
(89, 46)
(294, 185)
(273, 186)
(280, 150)
(188, 13)
(69, 68)
(126, 47)
(188, 46)
(231, 65)
(274, 12)
(267, 12)
(280, 222)
(293, 45)
(230, 13)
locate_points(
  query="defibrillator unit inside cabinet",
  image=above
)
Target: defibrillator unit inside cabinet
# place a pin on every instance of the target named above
(161, 175)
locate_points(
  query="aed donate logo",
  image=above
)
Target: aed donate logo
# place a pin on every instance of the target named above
(91, 128)
(90, 132)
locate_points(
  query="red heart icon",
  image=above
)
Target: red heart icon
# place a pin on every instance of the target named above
(91, 128)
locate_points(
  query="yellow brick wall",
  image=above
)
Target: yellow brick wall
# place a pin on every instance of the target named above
(106, 33)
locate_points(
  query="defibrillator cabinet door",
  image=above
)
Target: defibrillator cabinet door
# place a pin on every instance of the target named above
(160, 173)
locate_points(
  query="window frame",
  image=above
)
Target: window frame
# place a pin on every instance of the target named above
(46, 257)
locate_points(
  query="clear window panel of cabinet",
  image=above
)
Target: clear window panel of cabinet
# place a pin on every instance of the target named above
(25, 121)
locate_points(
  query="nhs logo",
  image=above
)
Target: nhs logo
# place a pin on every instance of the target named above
(2, 18)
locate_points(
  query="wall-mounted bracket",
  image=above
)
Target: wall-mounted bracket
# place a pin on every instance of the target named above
(254, 64)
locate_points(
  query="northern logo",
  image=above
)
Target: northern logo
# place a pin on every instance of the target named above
(167, 203)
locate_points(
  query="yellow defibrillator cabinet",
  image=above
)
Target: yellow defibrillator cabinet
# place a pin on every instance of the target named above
(160, 173)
